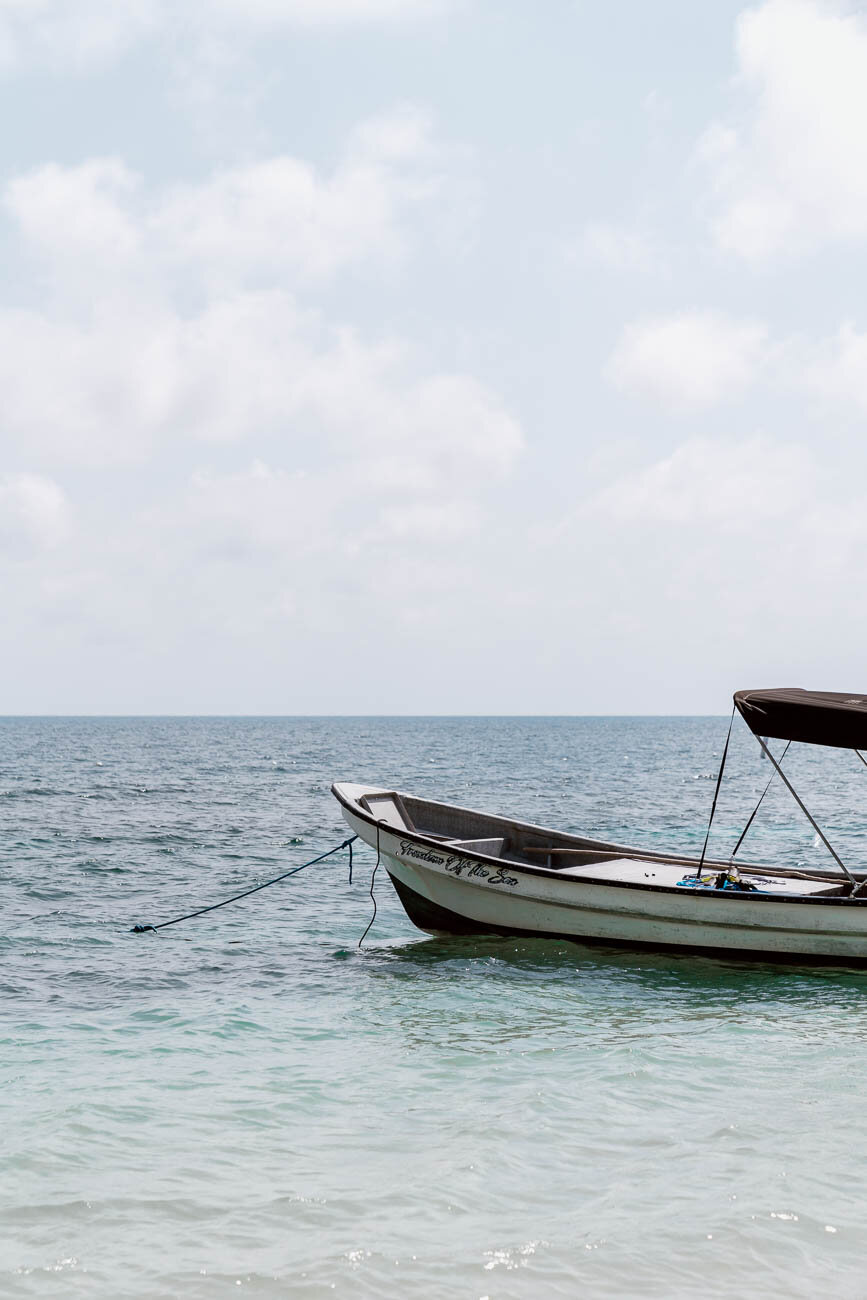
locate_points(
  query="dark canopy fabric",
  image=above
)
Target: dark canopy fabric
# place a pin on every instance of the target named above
(814, 717)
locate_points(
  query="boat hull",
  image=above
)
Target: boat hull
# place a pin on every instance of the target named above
(438, 922)
(455, 892)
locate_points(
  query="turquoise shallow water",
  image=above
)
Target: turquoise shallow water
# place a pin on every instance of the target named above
(245, 1104)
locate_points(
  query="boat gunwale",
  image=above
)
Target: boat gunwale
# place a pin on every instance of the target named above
(418, 837)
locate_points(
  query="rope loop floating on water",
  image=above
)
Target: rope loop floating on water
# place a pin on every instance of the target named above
(346, 844)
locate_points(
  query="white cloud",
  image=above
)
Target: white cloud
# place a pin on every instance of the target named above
(238, 514)
(618, 248)
(92, 392)
(154, 327)
(435, 522)
(690, 359)
(793, 171)
(273, 218)
(368, 459)
(837, 371)
(724, 554)
(290, 516)
(156, 345)
(316, 13)
(245, 367)
(711, 483)
(76, 34)
(34, 514)
(76, 212)
(280, 215)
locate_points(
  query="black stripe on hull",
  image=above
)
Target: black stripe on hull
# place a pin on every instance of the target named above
(437, 920)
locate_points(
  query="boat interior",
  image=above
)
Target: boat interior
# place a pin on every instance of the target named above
(509, 841)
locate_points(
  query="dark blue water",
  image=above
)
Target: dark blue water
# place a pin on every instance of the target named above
(245, 1104)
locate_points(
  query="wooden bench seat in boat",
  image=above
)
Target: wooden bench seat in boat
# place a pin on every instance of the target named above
(492, 848)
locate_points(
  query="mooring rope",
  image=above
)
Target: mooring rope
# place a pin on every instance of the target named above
(347, 844)
(372, 899)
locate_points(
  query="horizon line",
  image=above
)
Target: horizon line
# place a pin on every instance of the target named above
(312, 716)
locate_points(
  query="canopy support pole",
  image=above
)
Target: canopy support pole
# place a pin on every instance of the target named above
(808, 814)
(719, 777)
(743, 833)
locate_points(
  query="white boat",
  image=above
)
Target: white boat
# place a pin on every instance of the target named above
(457, 871)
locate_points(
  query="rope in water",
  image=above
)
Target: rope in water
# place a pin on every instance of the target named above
(372, 882)
(347, 844)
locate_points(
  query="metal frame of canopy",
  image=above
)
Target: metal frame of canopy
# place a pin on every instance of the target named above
(809, 717)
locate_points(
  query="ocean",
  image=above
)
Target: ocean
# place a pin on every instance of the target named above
(247, 1104)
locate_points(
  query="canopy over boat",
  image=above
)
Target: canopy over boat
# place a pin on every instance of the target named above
(812, 717)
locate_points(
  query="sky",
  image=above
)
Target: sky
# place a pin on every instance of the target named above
(431, 356)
